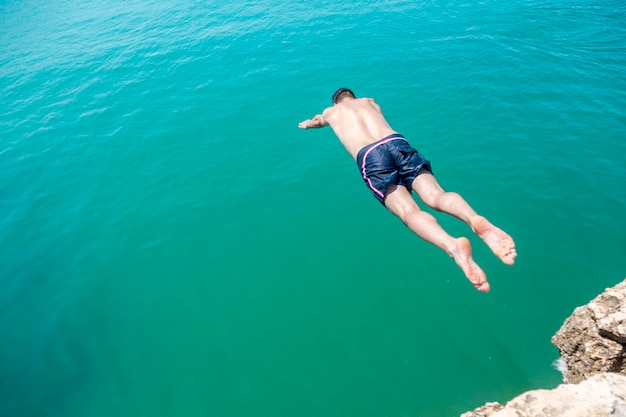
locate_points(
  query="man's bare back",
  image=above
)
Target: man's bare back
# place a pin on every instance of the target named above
(357, 123)
(392, 169)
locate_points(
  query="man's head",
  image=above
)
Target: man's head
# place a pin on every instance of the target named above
(341, 94)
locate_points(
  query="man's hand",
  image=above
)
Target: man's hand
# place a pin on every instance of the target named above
(316, 122)
(304, 124)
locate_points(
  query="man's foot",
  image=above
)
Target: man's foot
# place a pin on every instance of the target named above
(498, 241)
(462, 255)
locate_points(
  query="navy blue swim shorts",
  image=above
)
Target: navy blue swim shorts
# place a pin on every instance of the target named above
(391, 160)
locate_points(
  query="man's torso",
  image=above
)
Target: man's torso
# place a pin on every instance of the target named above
(357, 123)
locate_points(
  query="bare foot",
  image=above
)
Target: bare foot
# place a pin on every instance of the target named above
(462, 255)
(499, 242)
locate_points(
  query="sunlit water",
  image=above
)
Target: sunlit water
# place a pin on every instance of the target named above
(171, 244)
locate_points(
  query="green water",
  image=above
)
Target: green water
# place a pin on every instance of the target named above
(171, 244)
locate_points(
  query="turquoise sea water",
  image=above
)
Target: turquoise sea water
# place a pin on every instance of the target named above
(171, 244)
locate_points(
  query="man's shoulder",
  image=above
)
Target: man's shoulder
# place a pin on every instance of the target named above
(328, 111)
(367, 101)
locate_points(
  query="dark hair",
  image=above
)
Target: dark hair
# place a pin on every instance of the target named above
(341, 93)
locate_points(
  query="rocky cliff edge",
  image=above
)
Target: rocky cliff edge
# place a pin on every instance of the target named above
(592, 344)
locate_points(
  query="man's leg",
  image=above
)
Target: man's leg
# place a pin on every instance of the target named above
(431, 193)
(399, 201)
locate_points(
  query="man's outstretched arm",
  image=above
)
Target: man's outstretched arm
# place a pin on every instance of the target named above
(316, 122)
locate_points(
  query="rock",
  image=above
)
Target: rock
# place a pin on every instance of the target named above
(593, 339)
(486, 410)
(592, 343)
(603, 395)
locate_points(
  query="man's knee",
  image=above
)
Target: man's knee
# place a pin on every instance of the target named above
(450, 196)
(440, 199)
(401, 203)
(405, 211)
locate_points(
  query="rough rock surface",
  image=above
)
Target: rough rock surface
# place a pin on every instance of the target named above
(486, 410)
(603, 395)
(593, 338)
(592, 343)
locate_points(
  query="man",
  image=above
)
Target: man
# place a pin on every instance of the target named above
(391, 168)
